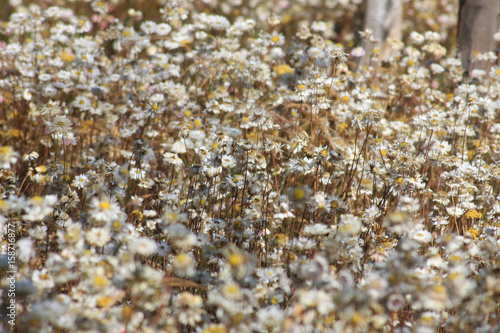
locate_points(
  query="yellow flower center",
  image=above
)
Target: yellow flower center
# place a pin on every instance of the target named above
(104, 205)
(299, 194)
(235, 259)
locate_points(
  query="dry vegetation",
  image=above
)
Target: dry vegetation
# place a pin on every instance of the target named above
(205, 166)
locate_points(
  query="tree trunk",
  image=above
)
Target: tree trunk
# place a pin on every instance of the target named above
(384, 18)
(478, 20)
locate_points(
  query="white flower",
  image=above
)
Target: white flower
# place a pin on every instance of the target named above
(228, 161)
(197, 135)
(104, 210)
(42, 280)
(163, 248)
(163, 29)
(455, 211)
(218, 22)
(97, 237)
(358, 52)
(148, 27)
(45, 77)
(315, 52)
(81, 102)
(60, 125)
(349, 225)
(51, 108)
(395, 302)
(318, 26)
(183, 264)
(40, 207)
(25, 249)
(417, 38)
(422, 236)
(136, 201)
(179, 147)
(136, 173)
(271, 316)
(7, 157)
(316, 229)
(496, 36)
(437, 69)
(143, 246)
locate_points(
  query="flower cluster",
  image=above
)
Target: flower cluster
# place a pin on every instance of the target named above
(205, 166)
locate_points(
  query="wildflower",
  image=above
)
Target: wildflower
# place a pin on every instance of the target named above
(315, 52)
(436, 120)
(30, 157)
(277, 38)
(237, 181)
(80, 181)
(42, 279)
(149, 27)
(60, 125)
(316, 229)
(299, 196)
(171, 216)
(338, 54)
(284, 212)
(52, 108)
(228, 161)
(319, 202)
(336, 204)
(395, 302)
(163, 29)
(70, 139)
(317, 300)
(271, 317)
(137, 201)
(358, 52)
(39, 207)
(440, 221)
(318, 26)
(349, 225)
(136, 173)
(7, 157)
(366, 186)
(441, 148)
(25, 249)
(302, 90)
(301, 166)
(455, 211)
(183, 264)
(422, 236)
(303, 32)
(218, 22)
(100, 6)
(232, 291)
(416, 38)
(163, 248)
(97, 237)
(143, 246)
(81, 102)
(190, 308)
(172, 158)
(104, 210)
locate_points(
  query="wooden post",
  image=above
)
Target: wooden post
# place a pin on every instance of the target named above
(478, 20)
(384, 18)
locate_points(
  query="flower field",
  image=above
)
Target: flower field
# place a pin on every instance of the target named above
(245, 166)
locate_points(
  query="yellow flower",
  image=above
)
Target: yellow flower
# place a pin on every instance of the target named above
(67, 57)
(235, 259)
(473, 214)
(473, 232)
(283, 69)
